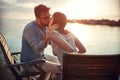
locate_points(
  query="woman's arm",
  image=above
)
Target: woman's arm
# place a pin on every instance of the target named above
(79, 45)
(61, 42)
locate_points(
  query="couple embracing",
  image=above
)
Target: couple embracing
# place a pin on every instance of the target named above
(47, 30)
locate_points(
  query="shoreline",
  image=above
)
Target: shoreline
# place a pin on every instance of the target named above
(108, 22)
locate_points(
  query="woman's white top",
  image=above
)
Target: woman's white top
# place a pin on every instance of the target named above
(59, 51)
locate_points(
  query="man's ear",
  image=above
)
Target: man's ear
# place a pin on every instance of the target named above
(38, 20)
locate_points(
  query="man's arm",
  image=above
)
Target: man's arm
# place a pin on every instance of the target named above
(34, 40)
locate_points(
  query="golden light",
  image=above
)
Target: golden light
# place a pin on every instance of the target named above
(79, 30)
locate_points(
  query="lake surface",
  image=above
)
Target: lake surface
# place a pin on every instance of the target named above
(98, 39)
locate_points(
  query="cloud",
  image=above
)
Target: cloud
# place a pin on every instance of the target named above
(50, 3)
(26, 5)
(12, 8)
(3, 5)
(9, 1)
(15, 9)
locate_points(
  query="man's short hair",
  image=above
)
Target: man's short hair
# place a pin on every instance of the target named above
(38, 10)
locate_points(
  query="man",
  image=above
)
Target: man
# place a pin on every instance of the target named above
(34, 40)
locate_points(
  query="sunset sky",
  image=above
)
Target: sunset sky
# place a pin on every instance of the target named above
(74, 9)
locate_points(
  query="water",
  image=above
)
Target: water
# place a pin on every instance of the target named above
(96, 38)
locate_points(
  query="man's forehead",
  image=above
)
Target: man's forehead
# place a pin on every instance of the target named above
(45, 14)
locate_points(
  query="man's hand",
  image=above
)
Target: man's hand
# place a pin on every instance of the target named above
(46, 39)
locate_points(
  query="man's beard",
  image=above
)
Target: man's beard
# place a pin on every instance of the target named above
(45, 24)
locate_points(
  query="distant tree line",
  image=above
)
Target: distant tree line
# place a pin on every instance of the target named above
(96, 22)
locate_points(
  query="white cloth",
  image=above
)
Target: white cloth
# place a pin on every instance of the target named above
(57, 50)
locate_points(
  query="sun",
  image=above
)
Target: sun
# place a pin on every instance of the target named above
(80, 9)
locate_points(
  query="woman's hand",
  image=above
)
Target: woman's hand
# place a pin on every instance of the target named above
(53, 27)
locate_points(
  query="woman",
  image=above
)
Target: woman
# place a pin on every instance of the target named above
(62, 41)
